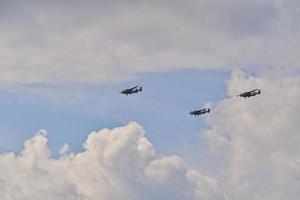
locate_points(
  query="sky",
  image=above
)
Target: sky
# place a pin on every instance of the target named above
(67, 133)
(166, 101)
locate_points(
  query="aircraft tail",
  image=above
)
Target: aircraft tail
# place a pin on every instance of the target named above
(208, 110)
(259, 92)
(140, 89)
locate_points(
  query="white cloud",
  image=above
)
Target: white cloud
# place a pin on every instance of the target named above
(259, 137)
(116, 164)
(109, 41)
(64, 149)
(163, 169)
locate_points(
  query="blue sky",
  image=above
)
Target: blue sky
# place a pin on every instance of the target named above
(77, 110)
(63, 64)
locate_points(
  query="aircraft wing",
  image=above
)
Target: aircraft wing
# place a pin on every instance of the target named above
(253, 91)
(133, 87)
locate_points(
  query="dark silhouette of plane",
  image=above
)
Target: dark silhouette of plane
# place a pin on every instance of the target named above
(135, 89)
(200, 112)
(250, 93)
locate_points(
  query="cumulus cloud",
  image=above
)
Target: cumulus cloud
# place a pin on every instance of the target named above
(115, 164)
(64, 149)
(109, 41)
(258, 138)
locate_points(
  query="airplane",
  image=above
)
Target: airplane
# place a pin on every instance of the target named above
(135, 89)
(200, 112)
(250, 93)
